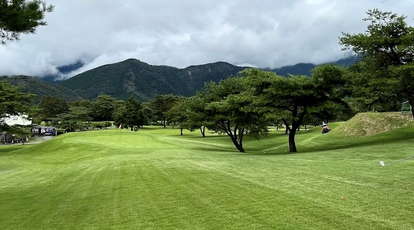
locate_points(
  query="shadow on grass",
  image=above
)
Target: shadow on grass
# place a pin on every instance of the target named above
(310, 141)
(5, 149)
(337, 142)
(217, 149)
(399, 135)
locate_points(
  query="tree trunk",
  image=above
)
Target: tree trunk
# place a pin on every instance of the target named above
(181, 130)
(163, 118)
(296, 120)
(411, 102)
(203, 131)
(237, 143)
(292, 144)
(235, 134)
(239, 146)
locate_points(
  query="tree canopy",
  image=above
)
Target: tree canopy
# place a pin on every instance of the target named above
(51, 106)
(387, 59)
(290, 99)
(12, 101)
(160, 104)
(21, 17)
(226, 107)
(103, 107)
(134, 116)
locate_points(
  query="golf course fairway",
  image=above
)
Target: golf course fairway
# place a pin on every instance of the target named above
(157, 179)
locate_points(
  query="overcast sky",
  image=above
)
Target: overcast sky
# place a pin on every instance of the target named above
(180, 33)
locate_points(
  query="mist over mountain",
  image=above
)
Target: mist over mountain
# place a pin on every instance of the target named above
(63, 70)
(140, 79)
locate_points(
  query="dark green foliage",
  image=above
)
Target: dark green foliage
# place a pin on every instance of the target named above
(103, 108)
(40, 88)
(12, 101)
(130, 114)
(144, 81)
(381, 80)
(84, 103)
(160, 105)
(290, 99)
(20, 16)
(132, 78)
(197, 115)
(134, 116)
(306, 68)
(227, 107)
(51, 106)
(119, 115)
(101, 124)
(76, 119)
(177, 114)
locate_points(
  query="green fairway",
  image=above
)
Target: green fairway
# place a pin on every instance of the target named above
(157, 179)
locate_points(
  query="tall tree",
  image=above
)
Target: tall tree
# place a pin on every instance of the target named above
(12, 101)
(51, 106)
(21, 17)
(197, 115)
(85, 103)
(103, 107)
(134, 116)
(160, 104)
(77, 118)
(290, 99)
(177, 115)
(387, 52)
(229, 110)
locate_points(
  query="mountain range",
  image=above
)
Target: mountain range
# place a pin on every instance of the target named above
(144, 81)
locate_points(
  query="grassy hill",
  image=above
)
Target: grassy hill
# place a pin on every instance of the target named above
(157, 179)
(366, 124)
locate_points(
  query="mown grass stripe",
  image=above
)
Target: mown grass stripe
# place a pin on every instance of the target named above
(157, 179)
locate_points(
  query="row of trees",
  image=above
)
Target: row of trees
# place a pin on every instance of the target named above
(252, 100)
(239, 105)
(380, 81)
(79, 114)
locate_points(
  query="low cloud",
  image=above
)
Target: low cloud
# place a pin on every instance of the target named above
(263, 33)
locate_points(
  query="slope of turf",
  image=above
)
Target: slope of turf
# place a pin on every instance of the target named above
(157, 179)
(366, 124)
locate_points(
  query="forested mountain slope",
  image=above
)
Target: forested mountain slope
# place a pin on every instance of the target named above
(133, 77)
(41, 88)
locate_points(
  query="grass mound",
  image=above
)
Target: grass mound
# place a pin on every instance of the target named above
(367, 124)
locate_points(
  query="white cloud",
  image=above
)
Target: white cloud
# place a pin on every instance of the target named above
(262, 33)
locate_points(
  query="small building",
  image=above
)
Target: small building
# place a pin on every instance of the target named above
(44, 130)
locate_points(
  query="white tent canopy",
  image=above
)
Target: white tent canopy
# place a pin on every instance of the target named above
(17, 120)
